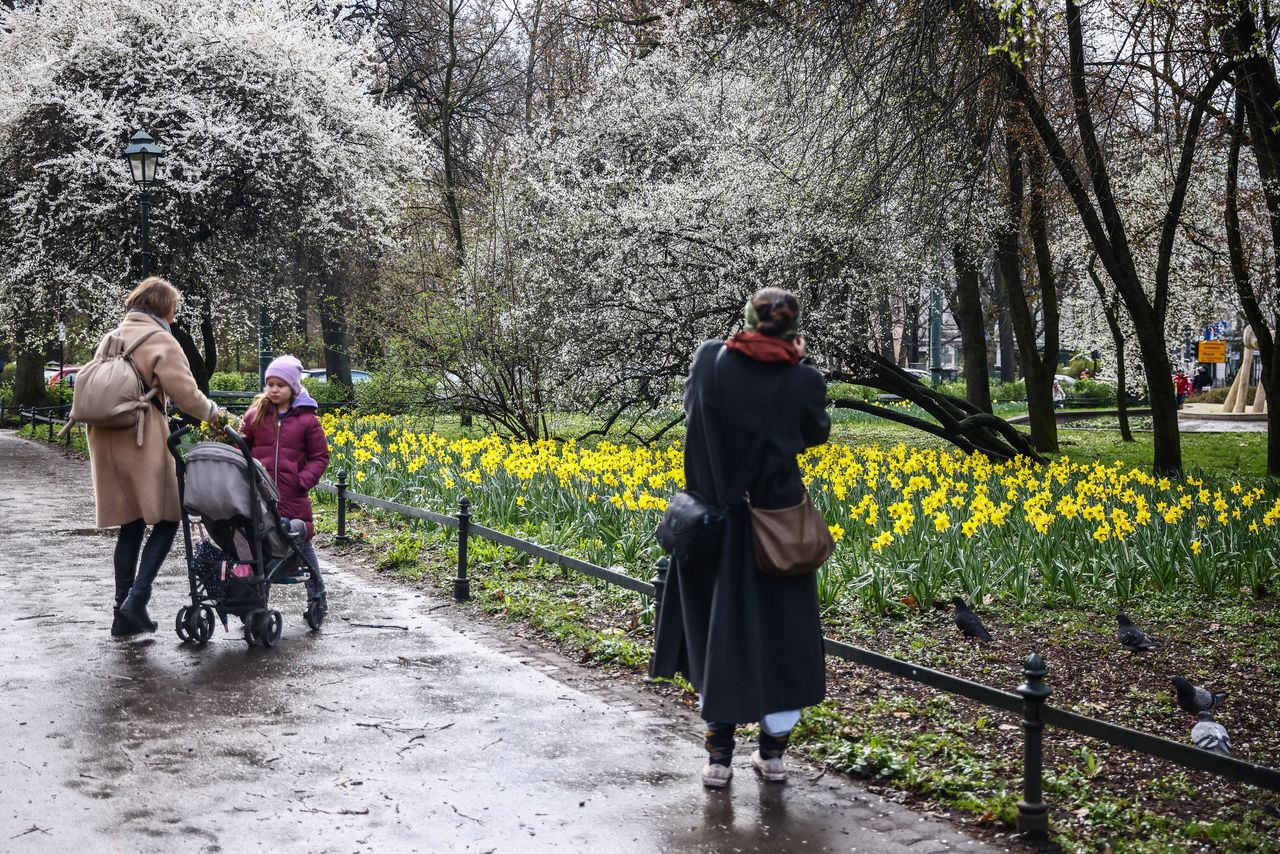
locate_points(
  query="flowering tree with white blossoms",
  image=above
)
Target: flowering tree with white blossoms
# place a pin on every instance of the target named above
(636, 224)
(275, 151)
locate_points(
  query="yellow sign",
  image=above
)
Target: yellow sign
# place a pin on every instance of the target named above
(1213, 351)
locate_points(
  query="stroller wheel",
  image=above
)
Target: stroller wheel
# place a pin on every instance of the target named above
(180, 624)
(314, 615)
(270, 627)
(200, 624)
(210, 618)
(253, 627)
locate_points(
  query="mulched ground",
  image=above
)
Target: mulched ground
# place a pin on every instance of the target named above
(958, 759)
(1090, 674)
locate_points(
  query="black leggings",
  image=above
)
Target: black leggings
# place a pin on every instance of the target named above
(128, 545)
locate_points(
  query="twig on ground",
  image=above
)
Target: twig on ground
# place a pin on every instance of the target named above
(464, 815)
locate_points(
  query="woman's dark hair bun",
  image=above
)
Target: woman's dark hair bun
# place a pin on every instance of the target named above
(776, 311)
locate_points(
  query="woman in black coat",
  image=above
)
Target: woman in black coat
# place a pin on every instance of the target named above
(750, 644)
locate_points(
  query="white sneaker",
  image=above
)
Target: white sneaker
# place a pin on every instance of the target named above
(716, 776)
(774, 770)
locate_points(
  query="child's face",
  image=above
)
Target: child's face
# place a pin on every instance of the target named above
(278, 392)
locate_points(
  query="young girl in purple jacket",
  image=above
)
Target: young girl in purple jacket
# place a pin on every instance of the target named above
(282, 430)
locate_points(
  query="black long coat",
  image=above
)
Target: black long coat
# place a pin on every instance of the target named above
(750, 644)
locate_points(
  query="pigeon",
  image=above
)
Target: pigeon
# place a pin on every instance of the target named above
(1194, 699)
(1131, 637)
(1210, 735)
(967, 622)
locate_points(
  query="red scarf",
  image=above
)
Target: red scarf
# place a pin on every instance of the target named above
(763, 348)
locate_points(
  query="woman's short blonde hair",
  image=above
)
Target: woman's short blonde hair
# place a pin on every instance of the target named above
(155, 295)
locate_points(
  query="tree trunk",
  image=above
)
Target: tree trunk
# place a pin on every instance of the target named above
(973, 332)
(1100, 213)
(1004, 328)
(29, 387)
(1122, 391)
(333, 329)
(1040, 412)
(210, 340)
(1111, 310)
(885, 319)
(452, 210)
(911, 332)
(195, 358)
(1240, 272)
(1042, 365)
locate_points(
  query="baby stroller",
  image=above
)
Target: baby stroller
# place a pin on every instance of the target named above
(244, 546)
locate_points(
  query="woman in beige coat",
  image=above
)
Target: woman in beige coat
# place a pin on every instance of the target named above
(136, 486)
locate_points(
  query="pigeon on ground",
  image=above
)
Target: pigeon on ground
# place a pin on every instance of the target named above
(1210, 735)
(1194, 699)
(1131, 637)
(967, 622)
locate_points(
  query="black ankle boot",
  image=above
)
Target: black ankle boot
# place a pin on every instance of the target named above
(123, 626)
(134, 611)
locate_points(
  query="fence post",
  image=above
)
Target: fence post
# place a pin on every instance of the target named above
(49, 414)
(461, 586)
(342, 538)
(1033, 812)
(659, 582)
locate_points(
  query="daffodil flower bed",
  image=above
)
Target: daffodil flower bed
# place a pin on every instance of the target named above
(912, 525)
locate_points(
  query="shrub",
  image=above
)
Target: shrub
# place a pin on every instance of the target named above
(6, 385)
(1001, 392)
(1008, 392)
(326, 393)
(390, 393)
(1078, 364)
(1219, 395)
(232, 381)
(60, 394)
(1100, 391)
(866, 394)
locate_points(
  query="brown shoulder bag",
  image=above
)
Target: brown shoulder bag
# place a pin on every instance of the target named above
(791, 540)
(788, 541)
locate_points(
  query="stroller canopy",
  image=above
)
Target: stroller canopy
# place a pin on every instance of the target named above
(218, 483)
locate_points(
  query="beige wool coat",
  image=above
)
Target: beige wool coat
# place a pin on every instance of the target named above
(132, 482)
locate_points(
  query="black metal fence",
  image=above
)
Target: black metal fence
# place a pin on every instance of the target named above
(50, 415)
(1030, 698)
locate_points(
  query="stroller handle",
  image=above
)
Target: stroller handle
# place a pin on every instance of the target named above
(175, 436)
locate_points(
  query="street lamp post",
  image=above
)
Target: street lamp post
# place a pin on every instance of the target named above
(143, 156)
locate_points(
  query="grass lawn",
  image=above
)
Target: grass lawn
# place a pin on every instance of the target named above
(1218, 454)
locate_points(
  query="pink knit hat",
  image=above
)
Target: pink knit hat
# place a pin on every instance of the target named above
(288, 370)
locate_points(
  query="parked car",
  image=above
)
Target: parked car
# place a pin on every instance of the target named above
(920, 374)
(68, 373)
(321, 375)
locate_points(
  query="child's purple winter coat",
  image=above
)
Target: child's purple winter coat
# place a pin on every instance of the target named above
(294, 450)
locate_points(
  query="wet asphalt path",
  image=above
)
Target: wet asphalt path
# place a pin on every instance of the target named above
(398, 728)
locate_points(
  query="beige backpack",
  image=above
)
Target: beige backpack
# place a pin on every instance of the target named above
(109, 391)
